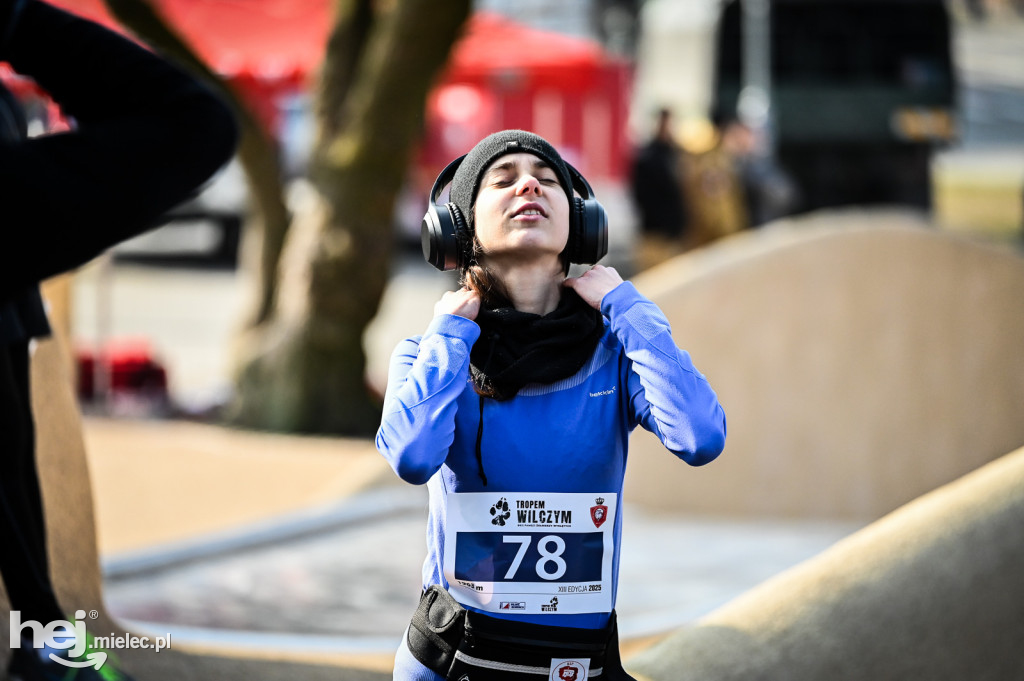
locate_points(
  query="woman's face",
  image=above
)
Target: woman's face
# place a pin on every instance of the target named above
(521, 210)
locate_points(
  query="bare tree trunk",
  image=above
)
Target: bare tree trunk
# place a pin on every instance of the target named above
(304, 369)
(268, 222)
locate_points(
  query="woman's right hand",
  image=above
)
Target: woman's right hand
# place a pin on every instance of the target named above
(464, 303)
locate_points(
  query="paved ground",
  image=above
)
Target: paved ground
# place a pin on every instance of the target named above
(312, 544)
(357, 583)
(344, 575)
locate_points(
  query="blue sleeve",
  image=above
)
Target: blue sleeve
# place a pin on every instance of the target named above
(667, 395)
(426, 376)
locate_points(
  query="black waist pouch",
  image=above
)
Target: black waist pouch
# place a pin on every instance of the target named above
(463, 645)
(436, 629)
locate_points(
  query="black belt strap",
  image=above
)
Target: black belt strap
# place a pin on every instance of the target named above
(445, 638)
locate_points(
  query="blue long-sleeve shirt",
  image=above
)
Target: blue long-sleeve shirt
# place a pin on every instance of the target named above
(565, 438)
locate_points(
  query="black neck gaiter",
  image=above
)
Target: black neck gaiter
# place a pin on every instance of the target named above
(517, 348)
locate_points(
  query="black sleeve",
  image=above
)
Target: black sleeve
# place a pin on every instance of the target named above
(146, 136)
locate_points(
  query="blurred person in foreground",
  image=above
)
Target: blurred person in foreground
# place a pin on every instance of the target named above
(144, 136)
(515, 408)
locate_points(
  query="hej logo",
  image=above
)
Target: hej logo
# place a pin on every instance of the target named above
(61, 635)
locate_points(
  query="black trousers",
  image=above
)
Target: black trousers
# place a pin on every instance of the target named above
(23, 560)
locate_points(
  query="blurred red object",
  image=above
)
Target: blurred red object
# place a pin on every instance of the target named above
(132, 366)
(503, 74)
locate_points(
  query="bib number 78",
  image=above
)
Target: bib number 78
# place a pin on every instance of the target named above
(547, 556)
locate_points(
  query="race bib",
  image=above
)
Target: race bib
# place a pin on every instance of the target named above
(531, 553)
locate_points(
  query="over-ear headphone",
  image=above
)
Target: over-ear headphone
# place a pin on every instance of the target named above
(448, 243)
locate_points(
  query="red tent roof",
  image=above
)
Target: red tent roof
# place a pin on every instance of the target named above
(267, 39)
(492, 42)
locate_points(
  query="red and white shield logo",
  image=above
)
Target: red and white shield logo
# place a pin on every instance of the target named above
(569, 670)
(599, 514)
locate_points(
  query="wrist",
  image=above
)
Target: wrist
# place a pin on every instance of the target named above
(453, 326)
(619, 299)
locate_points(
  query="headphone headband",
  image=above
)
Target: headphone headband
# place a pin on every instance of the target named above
(445, 178)
(579, 183)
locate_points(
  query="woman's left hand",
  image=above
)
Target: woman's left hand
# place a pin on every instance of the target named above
(594, 284)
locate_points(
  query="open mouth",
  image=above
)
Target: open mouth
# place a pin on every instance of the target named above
(530, 209)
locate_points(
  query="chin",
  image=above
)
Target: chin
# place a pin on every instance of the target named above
(524, 255)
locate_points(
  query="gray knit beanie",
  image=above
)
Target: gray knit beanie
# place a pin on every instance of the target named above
(466, 182)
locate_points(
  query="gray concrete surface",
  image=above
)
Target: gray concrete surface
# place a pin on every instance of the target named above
(346, 577)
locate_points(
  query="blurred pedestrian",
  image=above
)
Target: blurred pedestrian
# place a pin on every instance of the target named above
(977, 8)
(657, 190)
(515, 409)
(144, 136)
(735, 184)
(713, 182)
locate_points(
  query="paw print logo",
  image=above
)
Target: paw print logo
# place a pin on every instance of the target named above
(500, 512)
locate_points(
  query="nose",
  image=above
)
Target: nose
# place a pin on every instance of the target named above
(528, 184)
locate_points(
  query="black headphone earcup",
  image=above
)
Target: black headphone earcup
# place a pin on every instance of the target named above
(445, 238)
(588, 240)
(438, 237)
(588, 225)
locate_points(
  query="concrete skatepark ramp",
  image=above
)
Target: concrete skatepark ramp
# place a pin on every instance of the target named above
(933, 591)
(862, 359)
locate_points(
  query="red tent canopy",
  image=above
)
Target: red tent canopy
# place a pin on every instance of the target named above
(503, 74)
(270, 39)
(494, 45)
